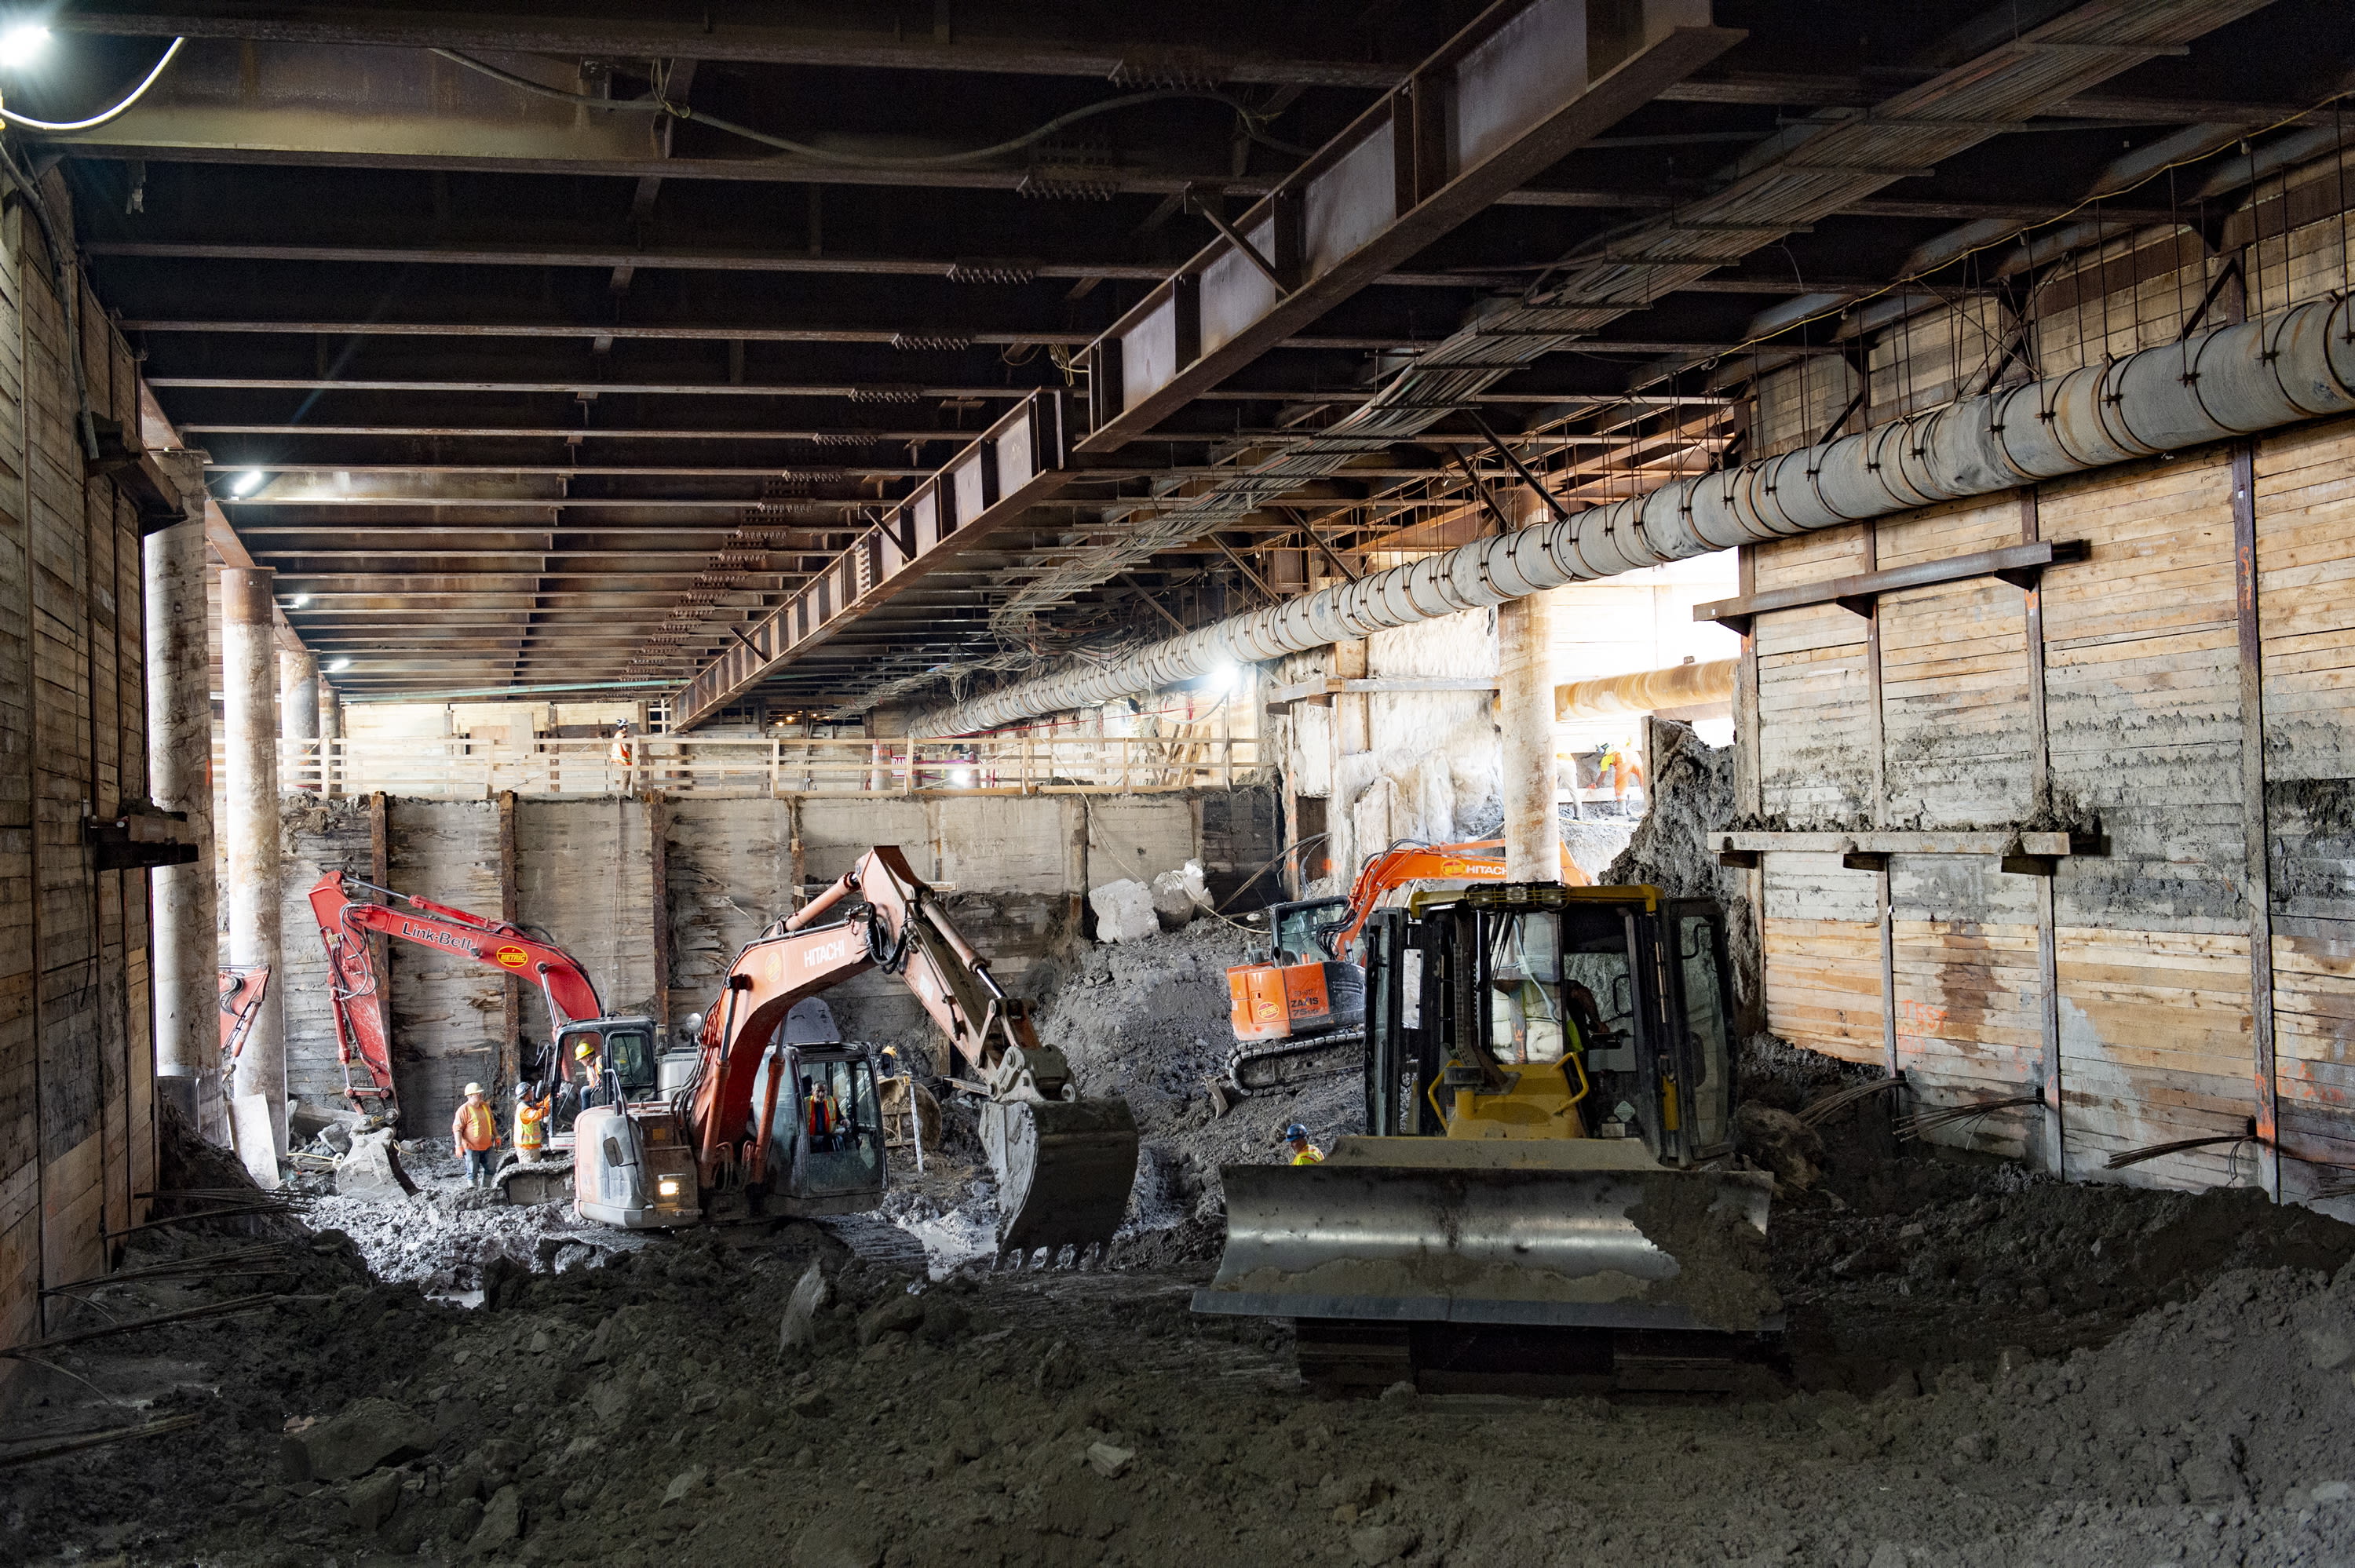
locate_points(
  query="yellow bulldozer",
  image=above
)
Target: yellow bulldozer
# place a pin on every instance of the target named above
(1546, 1198)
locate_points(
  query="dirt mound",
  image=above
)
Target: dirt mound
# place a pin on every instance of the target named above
(1930, 1255)
(655, 1409)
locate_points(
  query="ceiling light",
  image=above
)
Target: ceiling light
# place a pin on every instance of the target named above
(1224, 677)
(21, 44)
(298, 601)
(339, 666)
(247, 482)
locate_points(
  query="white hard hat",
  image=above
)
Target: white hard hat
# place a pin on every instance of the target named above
(474, 1088)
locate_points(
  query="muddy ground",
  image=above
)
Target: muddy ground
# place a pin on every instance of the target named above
(1985, 1367)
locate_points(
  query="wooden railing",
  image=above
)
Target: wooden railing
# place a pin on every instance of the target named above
(461, 769)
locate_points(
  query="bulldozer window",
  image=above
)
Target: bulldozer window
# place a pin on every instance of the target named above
(1528, 1021)
(1705, 1025)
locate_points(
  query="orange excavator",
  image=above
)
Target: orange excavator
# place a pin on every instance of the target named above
(1306, 997)
(356, 993)
(767, 1125)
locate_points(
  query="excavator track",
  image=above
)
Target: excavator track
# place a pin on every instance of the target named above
(1264, 1069)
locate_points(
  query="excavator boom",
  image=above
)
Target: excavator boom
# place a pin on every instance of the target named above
(356, 997)
(1064, 1165)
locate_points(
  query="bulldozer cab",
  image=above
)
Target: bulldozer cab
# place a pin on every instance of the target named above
(1622, 992)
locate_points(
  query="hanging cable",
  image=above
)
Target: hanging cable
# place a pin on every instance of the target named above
(95, 120)
(658, 104)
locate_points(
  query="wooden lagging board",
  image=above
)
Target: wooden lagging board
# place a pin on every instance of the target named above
(2304, 501)
(2153, 991)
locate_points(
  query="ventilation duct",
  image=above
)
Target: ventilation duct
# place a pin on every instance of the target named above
(2231, 381)
(1689, 685)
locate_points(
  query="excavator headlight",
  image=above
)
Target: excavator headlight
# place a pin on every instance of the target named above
(667, 1187)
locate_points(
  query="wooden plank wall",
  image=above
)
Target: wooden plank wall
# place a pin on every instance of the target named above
(2304, 499)
(2153, 1010)
(1958, 751)
(1817, 751)
(77, 1121)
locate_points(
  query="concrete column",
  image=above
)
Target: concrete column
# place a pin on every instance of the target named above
(250, 692)
(331, 729)
(298, 711)
(180, 778)
(1524, 716)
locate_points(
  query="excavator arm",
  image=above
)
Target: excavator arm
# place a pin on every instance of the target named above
(1476, 860)
(357, 994)
(1064, 1164)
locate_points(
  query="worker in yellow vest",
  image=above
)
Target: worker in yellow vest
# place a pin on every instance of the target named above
(474, 1131)
(530, 1124)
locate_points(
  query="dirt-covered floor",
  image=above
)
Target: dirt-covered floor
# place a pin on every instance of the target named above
(1982, 1366)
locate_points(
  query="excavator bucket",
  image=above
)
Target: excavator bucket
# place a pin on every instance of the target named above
(1064, 1170)
(1580, 1233)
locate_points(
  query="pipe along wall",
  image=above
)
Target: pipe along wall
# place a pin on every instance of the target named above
(2235, 380)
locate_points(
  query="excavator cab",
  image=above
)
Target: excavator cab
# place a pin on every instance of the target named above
(826, 1133)
(1304, 986)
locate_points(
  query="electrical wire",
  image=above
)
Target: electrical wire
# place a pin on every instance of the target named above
(658, 104)
(95, 120)
(1851, 302)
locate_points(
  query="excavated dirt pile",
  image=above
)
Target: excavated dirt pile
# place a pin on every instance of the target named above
(1986, 1368)
(1148, 1020)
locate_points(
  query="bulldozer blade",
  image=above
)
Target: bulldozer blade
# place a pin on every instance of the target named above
(1524, 1239)
(1064, 1170)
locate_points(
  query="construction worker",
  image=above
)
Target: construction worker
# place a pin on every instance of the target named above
(530, 1123)
(1624, 764)
(585, 1053)
(823, 1113)
(474, 1131)
(1297, 1144)
(625, 753)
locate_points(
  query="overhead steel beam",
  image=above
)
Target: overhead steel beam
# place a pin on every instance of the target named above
(646, 388)
(573, 432)
(985, 488)
(996, 270)
(717, 332)
(999, 40)
(1501, 101)
(1305, 395)
(1505, 99)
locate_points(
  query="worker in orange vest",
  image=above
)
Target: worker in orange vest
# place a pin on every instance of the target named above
(530, 1124)
(474, 1130)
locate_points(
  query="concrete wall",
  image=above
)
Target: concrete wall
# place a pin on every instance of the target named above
(583, 872)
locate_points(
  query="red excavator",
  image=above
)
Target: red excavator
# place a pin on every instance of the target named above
(769, 1126)
(1308, 996)
(363, 1028)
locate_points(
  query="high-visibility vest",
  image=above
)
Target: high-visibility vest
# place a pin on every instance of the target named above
(478, 1128)
(530, 1126)
(1312, 1155)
